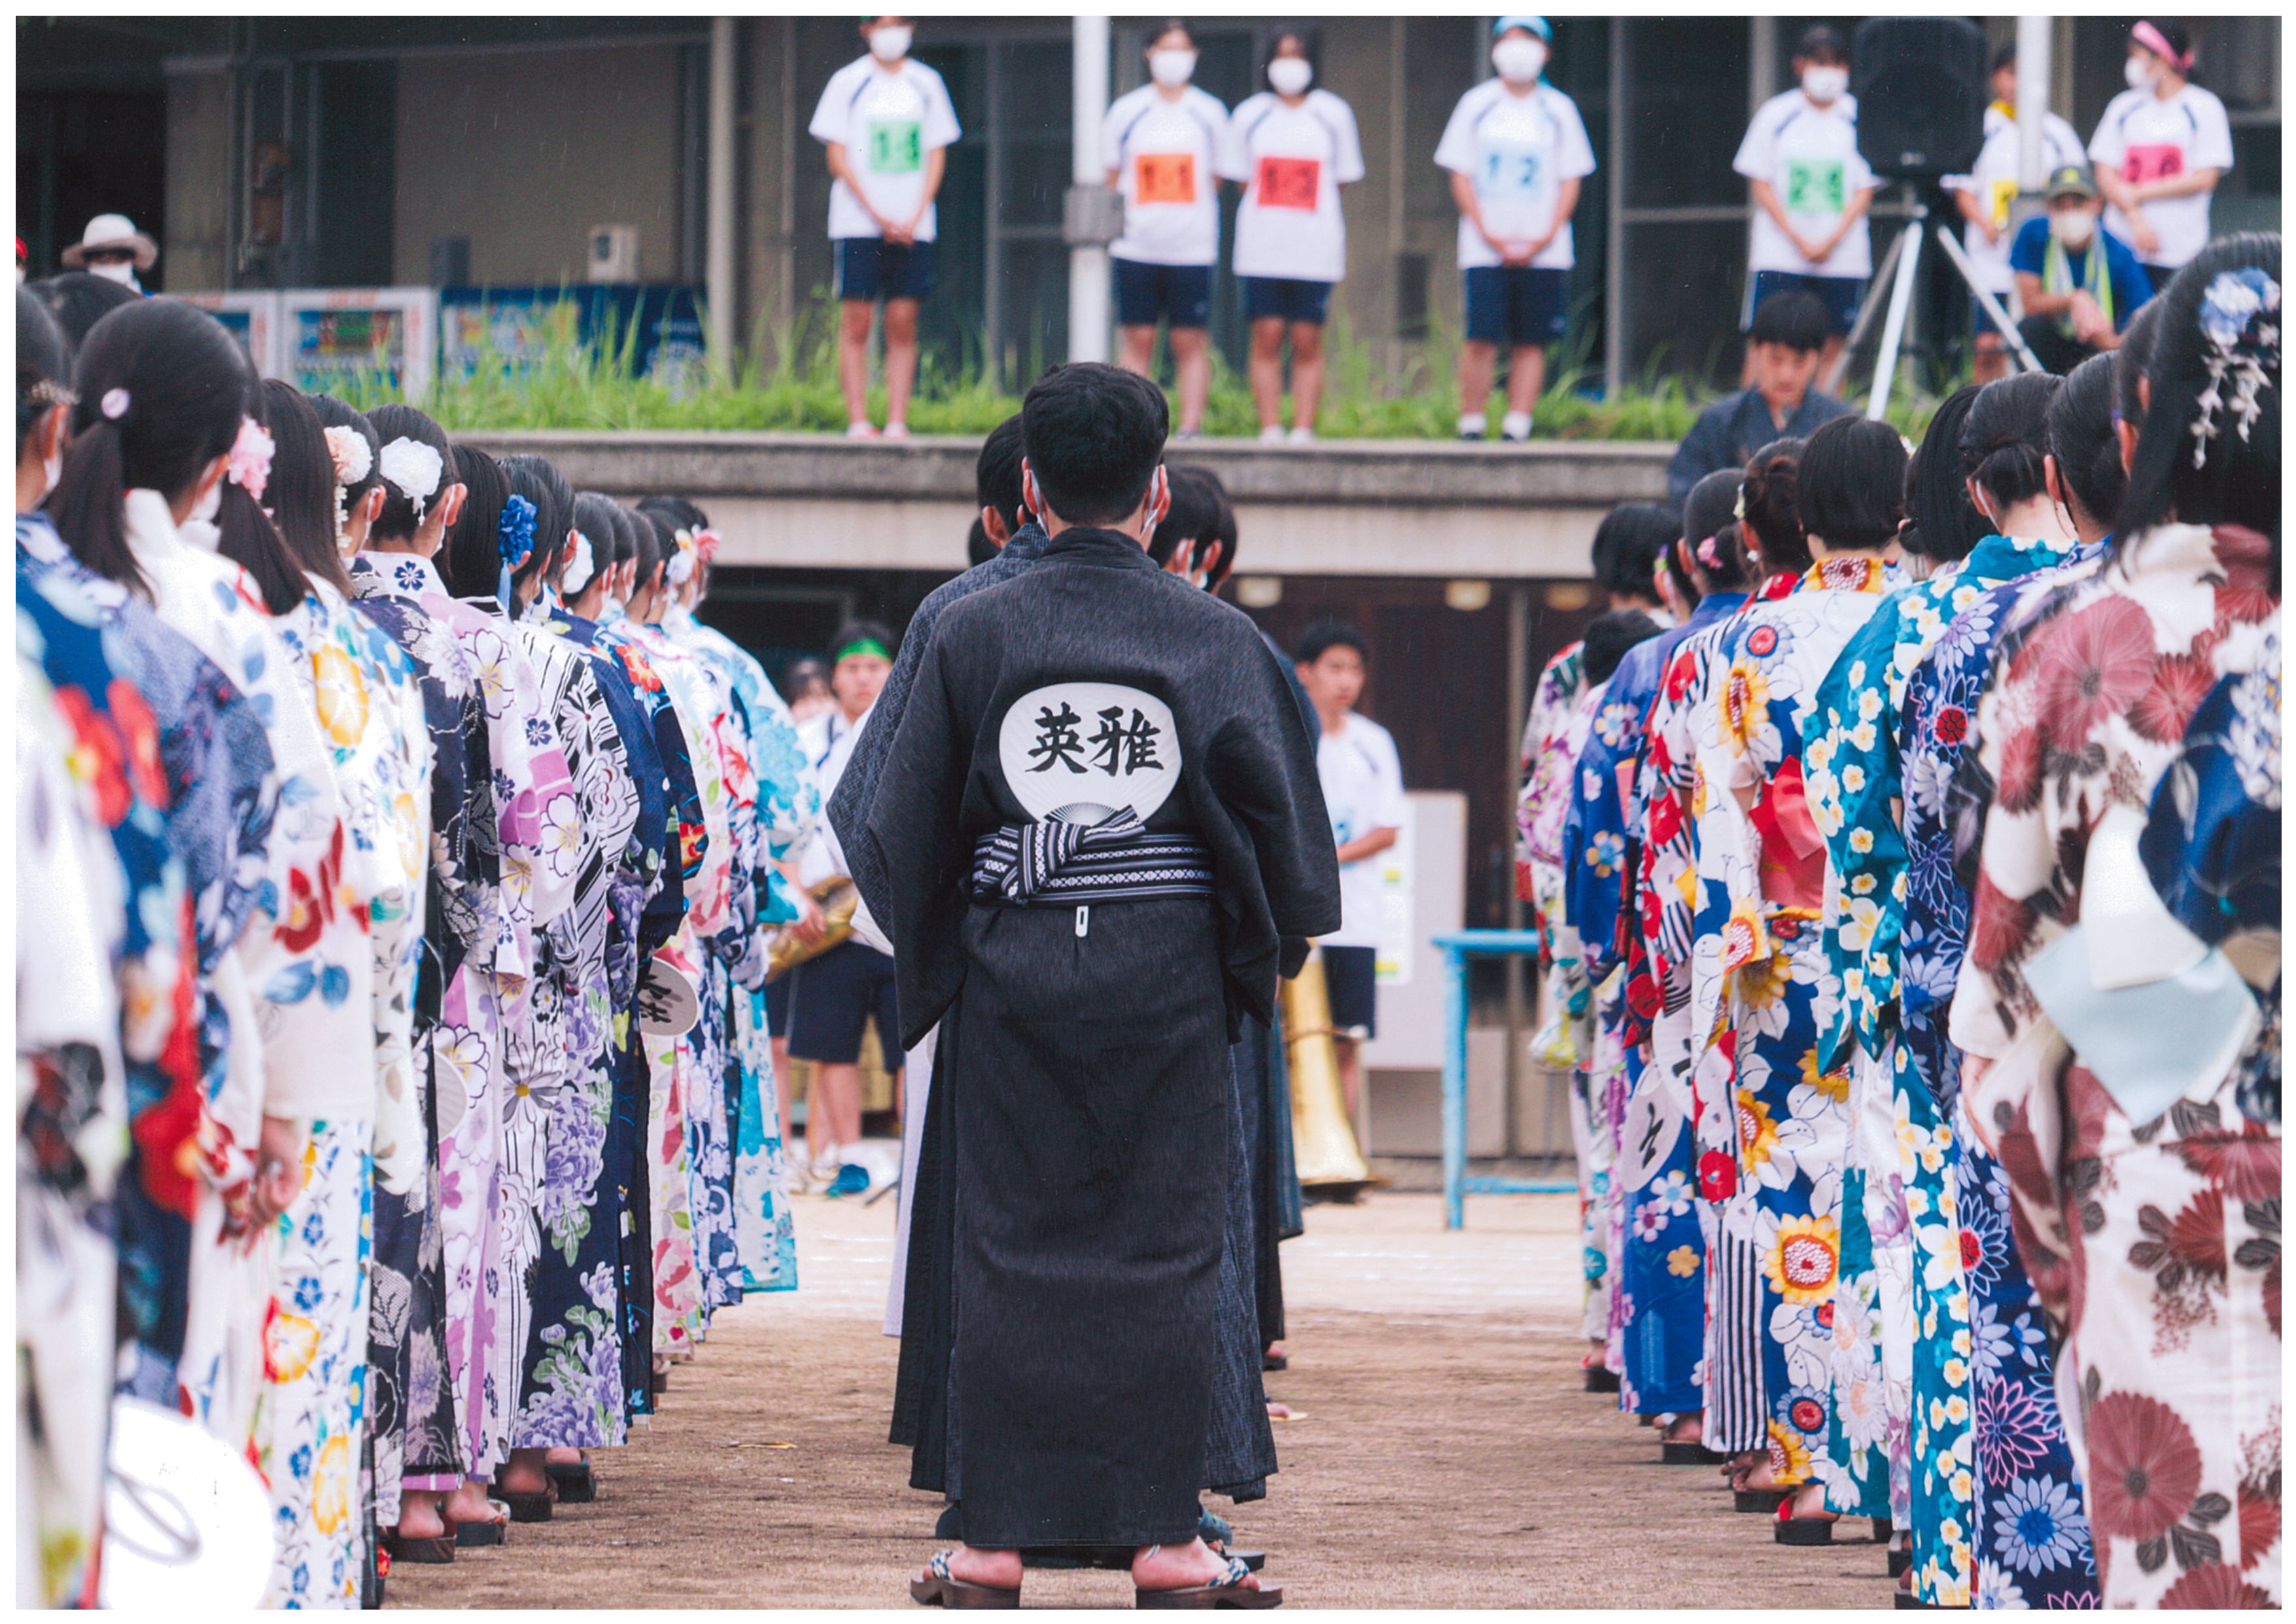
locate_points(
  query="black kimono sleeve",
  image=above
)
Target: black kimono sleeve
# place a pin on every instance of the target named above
(912, 819)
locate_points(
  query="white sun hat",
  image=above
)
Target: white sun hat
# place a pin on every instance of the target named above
(111, 231)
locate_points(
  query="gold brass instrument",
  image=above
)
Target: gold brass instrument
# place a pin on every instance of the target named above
(1322, 1141)
(837, 899)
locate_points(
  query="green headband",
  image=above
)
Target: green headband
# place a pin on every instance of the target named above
(861, 645)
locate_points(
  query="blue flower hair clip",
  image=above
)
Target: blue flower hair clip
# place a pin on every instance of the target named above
(514, 537)
(2240, 319)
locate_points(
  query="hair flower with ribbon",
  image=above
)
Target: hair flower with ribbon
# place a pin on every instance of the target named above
(581, 563)
(415, 469)
(248, 463)
(513, 538)
(681, 563)
(706, 543)
(2240, 319)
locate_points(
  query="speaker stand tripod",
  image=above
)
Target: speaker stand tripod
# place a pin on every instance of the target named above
(1901, 267)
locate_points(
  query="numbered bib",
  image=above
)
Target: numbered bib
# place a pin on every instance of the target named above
(1164, 177)
(1077, 752)
(896, 146)
(1508, 171)
(1288, 183)
(1816, 185)
(2156, 161)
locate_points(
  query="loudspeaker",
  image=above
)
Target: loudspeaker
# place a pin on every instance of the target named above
(1921, 90)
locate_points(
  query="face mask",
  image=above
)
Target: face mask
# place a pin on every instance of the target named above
(115, 270)
(1289, 74)
(2073, 228)
(1824, 85)
(890, 44)
(1172, 68)
(1520, 59)
(2141, 74)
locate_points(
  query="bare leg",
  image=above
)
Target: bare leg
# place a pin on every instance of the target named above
(1267, 370)
(1192, 359)
(522, 1473)
(1478, 361)
(1136, 350)
(418, 1516)
(901, 358)
(837, 1098)
(853, 358)
(1526, 377)
(1350, 1056)
(468, 1503)
(1306, 373)
(785, 1085)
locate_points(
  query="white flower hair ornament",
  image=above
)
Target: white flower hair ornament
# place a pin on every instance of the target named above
(354, 460)
(680, 569)
(2240, 318)
(247, 465)
(415, 468)
(580, 565)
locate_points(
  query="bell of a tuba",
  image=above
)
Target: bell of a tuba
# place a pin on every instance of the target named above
(1323, 1140)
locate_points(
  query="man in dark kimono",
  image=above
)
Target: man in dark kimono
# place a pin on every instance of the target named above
(1100, 819)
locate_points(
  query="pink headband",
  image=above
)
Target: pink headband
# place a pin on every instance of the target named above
(2145, 34)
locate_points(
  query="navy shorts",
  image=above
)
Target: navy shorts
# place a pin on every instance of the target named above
(1286, 297)
(1517, 304)
(1351, 974)
(832, 999)
(870, 268)
(777, 995)
(1840, 295)
(1180, 294)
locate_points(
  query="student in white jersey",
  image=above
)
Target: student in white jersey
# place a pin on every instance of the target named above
(1810, 192)
(1291, 148)
(2159, 149)
(1161, 143)
(1363, 790)
(1517, 152)
(1984, 195)
(887, 122)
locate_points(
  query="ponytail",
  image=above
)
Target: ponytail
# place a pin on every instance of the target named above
(1770, 513)
(88, 506)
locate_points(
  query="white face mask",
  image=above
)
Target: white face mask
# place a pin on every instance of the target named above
(890, 43)
(2074, 227)
(1172, 68)
(1520, 59)
(1289, 76)
(1824, 85)
(2140, 73)
(115, 270)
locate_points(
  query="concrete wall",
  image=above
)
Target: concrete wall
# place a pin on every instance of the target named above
(196, 244)
(523, 152)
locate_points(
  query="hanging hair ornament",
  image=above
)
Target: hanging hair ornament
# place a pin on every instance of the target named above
(48, 392)
(2239, 318)
(706, 543)
(248, 463)
(1738, 508)
(580, 564)
(415, 469)
(354, 460)
(681, 562)
(513, 537)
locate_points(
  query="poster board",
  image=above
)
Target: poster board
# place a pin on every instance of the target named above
(250, 317)
(657, 325)
(333, 340)
(1429, 897)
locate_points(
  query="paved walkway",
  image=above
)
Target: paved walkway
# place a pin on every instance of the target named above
(1446, 1456)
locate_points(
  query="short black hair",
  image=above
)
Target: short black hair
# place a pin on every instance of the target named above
(1311, 48)
(1094, 435)
(2082, 440)
(2005, 56)
(1609, 637)
(2008, 434)
(1628, 544)
(802, 677)
(863, 631)
(1853, 484)
(1945, 525)
(1193, 515)
(1322, 636)
(1822, 39)
(996, 474)
(1795, 318)
(78, 299)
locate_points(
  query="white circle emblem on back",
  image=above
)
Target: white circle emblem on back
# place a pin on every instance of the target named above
(1081, 752)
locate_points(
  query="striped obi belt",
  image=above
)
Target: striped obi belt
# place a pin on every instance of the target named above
(1052, 863)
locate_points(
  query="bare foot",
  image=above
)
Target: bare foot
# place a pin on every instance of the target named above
(998, 1570)
(418, 1515)
(1689, 1429)
(1177, 1567)
(567, 1457)
(1810, 1503)
(522, 1473)
(469, 1503)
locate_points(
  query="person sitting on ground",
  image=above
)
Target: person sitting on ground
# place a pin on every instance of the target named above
(1785, 341)
(2079, 285)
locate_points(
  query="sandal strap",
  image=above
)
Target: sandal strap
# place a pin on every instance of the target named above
(1237, 1572)
(938, 1567)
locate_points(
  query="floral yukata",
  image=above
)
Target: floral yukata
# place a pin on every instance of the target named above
(2154, 1233)
(1660, 1314)
(1899, 1146)
(1760, 987)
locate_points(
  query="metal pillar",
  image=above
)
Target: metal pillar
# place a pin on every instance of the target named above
(2035, 35)
(721, 257)
(1089, 272)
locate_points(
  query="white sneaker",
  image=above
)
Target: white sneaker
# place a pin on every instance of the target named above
(1271, 434)
(863, 429)
(1515, 425)
(1473, 425)
(1302, 436)
(897, 430)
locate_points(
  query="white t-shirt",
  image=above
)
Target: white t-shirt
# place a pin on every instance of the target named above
(1808, 154)
(1363, 789)
(1292, 161)
(1166, 155)
(887, 122)
(1518, 150)
(2148, 139)
(1993, 178)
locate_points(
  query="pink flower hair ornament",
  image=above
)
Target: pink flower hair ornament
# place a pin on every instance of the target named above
(248, 465)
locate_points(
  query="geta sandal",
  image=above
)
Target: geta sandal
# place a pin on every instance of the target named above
(576, 1482)
(1229, 1591)
(471, 1536)
(420, 1550)
(936, 1586)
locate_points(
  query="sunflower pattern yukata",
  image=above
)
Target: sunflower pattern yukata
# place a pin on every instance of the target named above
(1899, 1144)
(1759, 974)
(2168, 1230)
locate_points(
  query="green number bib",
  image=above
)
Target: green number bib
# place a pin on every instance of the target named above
(896, 146)
(1814, 185)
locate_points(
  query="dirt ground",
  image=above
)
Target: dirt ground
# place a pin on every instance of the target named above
(1446, 1455)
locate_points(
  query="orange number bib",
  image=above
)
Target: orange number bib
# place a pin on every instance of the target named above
(1164, 177)
(1288, 183)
